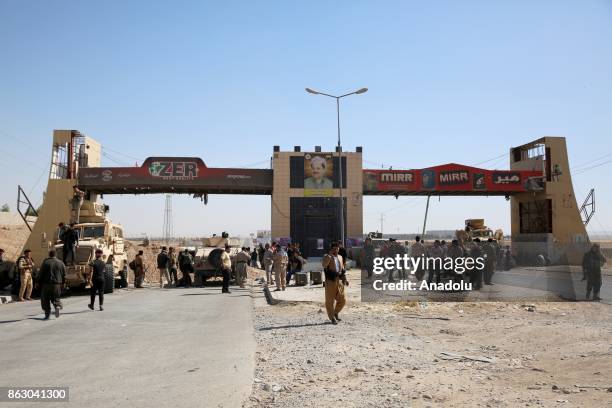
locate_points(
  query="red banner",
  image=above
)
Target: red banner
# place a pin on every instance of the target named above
(175, 174)
(450, 179)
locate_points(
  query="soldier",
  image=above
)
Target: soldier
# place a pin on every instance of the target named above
(280, 261)
(592, 262)
(335, 280)
(454, 251)
(76, 203)
(491, 260)
(61, 229)
(268, 261)
(342, 252)
(163, 262)
(435, 253)
(96, 280)
(477, 273)
(226, 269)
(139, 270)
(186, 265)
(242, 260)
(260, 255)
(172, 264)
(367, 257)
(25, 265)
(418, 249)
(444, 248)
(254, 256)
(70, 238)
(52, 275)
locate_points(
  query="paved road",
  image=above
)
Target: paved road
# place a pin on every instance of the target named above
(565, 281)
(148, 348)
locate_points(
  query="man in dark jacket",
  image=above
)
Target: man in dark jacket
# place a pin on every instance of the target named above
(591, 267)
(97, 280)
(70, 238)
(163, 265)
(186, 266)
(52, 275)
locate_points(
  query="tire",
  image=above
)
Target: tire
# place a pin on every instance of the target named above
(122, 281)
(109, 279)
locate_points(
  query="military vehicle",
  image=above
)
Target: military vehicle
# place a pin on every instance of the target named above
(207, 256)
(93, 236)
(476, 228)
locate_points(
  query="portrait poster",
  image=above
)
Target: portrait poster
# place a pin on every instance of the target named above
(318, 175)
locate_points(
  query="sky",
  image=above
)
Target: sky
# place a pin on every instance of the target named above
(448, 82)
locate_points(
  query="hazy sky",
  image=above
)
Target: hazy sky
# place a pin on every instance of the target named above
(449, 82)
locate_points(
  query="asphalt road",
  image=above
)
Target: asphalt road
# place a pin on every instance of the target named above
(148, 348)
(564, 281)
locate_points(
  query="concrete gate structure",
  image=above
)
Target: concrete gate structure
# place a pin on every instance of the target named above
(305, 190)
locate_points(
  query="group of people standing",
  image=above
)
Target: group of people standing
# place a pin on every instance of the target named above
(495, 257)
(283, 263)
(168, 265)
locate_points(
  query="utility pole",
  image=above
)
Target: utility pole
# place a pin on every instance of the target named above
(168, 227)
(339, 150)
(382, 217)
(425, 220)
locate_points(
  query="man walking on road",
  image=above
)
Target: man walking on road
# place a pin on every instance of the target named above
(226, 269)
(52, 275)
(163, 262)
(335, 280)
(25, 265)
(96, 280)
(592, 262)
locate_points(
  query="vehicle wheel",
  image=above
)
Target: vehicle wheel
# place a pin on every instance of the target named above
(109, 279)
(123, 282)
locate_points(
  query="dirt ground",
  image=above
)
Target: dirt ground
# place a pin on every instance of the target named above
(12, 240)
(393, 355)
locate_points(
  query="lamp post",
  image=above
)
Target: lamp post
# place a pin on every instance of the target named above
(337, 98)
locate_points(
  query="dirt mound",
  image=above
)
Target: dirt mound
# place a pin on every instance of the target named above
(12, 239)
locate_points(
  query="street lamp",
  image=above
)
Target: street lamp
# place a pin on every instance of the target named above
(337, 98)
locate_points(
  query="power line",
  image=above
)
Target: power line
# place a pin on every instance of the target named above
(593, 167)
(492, 158)
(591, 161)
(114, 160)
(120, 153)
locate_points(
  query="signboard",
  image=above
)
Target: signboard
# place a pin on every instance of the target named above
(449, 179)
(506, 177)
(318, 175)
(175, 174)
(454, 177)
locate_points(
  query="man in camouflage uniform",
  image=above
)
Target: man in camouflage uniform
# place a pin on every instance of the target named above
(592, 262)
(417, 250)
(242, 261)
(491, 260)
(280, 261)
(367, 257)
(25, 265)
(268, 261)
